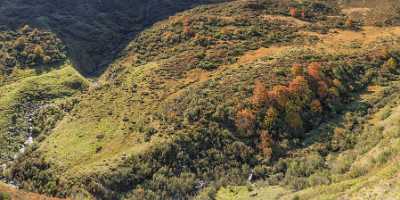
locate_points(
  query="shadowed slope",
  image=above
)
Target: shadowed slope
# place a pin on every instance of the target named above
(93, 30)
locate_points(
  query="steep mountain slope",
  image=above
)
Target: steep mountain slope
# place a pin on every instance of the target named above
(33, 71)
(93, 30)
(278, 92)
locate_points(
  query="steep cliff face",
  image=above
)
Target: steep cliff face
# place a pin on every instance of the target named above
(93, 30)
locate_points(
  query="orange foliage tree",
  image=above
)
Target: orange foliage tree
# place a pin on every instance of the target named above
(314, 70)
(300, 91)
(245, 120)
(260, 93)
(280, 94)
(266, 144)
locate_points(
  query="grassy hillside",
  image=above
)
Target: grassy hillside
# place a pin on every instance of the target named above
(287, 91)
(33, 72)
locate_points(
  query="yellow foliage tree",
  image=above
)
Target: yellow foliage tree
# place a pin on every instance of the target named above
(297, 70)
(270, 117)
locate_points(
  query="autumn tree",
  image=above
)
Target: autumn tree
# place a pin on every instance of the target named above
(349, 23)
(316, 106)
(38, 51)
(266, 144)
(294, 120)
(260, 93)
(19, 43)
(245, 120)
(271, 116)
(186, 27)
(280, 94)
(293, 11)
(323, 89)
(297, 70)
(390, 65)
(300, 91)
(338, 84)
(314, 71)
(303, 13)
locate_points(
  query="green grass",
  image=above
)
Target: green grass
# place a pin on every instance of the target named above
(101, 120)
(56, 84)
(256, 193)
